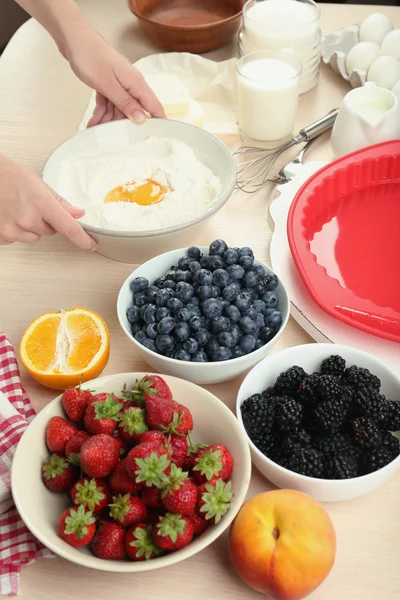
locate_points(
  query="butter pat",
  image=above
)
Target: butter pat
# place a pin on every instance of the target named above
(171, 92)
(195, 115)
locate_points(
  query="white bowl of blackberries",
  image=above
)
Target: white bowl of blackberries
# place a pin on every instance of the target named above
(322, 419)
(206, 314)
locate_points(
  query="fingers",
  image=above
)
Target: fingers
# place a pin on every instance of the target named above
(99, 111)
(75, 211)
(135, 96)
(19, 235)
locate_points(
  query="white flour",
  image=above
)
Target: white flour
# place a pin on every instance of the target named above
(86, 179)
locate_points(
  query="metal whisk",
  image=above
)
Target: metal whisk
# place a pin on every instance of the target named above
(253, 173)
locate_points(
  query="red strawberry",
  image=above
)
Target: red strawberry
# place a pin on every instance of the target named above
(214, 499)
(127, 510)
(182, 422)
(109, 542)
(213, 462)
(102, 416)
(150, 386)
(172, 532)
(151, 436)
(75, 401)
(58, 474)
(139, 543)
(179, 494)
(147, 463)
(123, 446)
(199, 523)
(177, 446)
(77, 526)
(120, 482)
(58, 432)
(131, 424)
(74, 445)
(159, 412)
(92, 493)
(151, 496)
(99, 455)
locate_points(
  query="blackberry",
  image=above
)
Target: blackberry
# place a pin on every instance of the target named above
(392, 443)
(269, 392)
(288, 382)
(288, 413)
(333, 365)
(333, 445)
(392, 421)
(329, 415)
(306, 461)
(375, 460)
(366, 433)
(308, 393)
(358, 377)
(368, 402)
(258, 416)
(329, 387)
(341, 466)
(288, 444)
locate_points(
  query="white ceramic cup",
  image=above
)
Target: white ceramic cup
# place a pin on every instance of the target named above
(368, 115)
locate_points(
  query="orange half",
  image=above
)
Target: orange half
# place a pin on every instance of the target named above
(59, 349)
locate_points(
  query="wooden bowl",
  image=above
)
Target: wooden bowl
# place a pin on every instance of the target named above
(188, 25)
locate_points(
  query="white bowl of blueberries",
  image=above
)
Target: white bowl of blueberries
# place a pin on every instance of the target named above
(206, 314)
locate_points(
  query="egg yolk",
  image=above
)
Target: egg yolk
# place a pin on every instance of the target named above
(145, 194)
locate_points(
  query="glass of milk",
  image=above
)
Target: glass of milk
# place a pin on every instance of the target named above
(285, 24)
(268, 93)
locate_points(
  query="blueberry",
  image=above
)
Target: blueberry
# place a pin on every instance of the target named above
(251, 312)
(259, 344)
(163, 296)
(215, 291)
(247, 325)
(142, 310)
(245, 251)
(271, 281)
(248, 343)
(237, 352)
(230, 256)
(230, 292)
(184, 291)
(222, 353)
(169, 283)
(164, 343)
(194, 253)
(259, 305)
(162, 312)
(236, 272)
(270, 299)
(259, 320)
(174, 305)
(132, 314)
(150, 345)
(236, 332)
(183, 263)
(170, 273)
(152, 294)
(144, 328)
(199, 356)
(246, 261)
(178, 346)
(191, 345)
(212, 308)
(194, 301)
(184, 314)
(212, 346)
(220, 278)
(149, 314)
(233, 313)
(140, 336)
(250, 279)
(194, 267)
(202, 337)
(216, 262)
(152, 331)
(243, 300)
(274, 319)
(135, 328)
(141, 299)
(258, 269)
(138, 285)
(204, 277)
(226, 338)
(182, 331)
(266, 334)
(181, 355)
(166, 325)
(180, 275)
(218, 247)
(204, 262)
(220, 324)
(160, 281)
(195, 323)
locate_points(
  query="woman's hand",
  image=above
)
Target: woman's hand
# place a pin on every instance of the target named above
(30, 209)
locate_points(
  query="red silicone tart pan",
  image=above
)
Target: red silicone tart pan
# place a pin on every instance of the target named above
(344, 236)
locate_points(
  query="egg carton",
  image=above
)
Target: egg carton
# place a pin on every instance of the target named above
(334, 48)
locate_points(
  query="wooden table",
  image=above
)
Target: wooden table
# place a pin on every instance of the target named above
(41, 104)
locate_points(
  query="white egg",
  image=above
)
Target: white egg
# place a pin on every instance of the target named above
(361, 56)
(384, 71)
(396, 90)
(374, 28)
(391, 44)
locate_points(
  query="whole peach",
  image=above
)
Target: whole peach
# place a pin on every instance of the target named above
(282, 544)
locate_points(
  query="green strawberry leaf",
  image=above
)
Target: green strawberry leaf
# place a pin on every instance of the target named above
(77, 522)
(150, 469)
(171, 525)
(209, 463)
(217, 500)
(108, 409)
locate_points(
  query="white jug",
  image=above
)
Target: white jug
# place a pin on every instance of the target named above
(368, 115)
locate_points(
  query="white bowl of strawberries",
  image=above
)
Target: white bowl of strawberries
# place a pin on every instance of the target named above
(138, 473)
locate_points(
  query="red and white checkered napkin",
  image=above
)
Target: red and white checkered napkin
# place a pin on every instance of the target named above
(18, 547)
